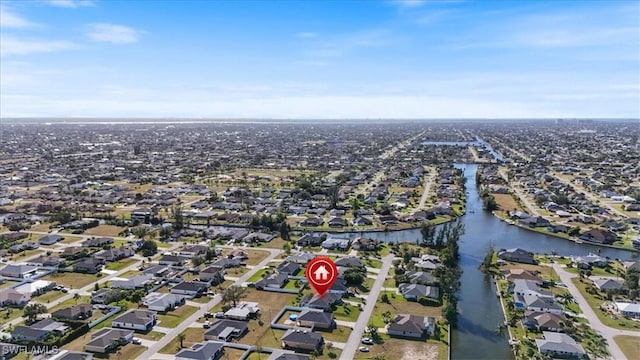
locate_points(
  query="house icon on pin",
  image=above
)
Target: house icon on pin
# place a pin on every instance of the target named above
(321, 273)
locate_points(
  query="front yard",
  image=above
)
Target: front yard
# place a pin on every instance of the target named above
(595, 300)
(72, 280)
(175, 317)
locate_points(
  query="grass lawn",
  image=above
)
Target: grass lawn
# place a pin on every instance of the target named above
(339, 334)
(192, 336)
(72, 280)
(270, 338)
(42, 227)
(270, 302)
(231, 353)
(69, 239)
(173, 318)
(26, 254)
(595, 301)
(406, 349)
(398, 305)
(630, 345)
(389, 282)
(255, 256)
(129, 351)
(7, 283)
(105, 230)
(237, 272)
(506, 202)
(258, 276)
(291, 285)
(258, 356)
(372, 263)
(130, 273)
(48, 296)
(8, 314)
(347, 312)
(151, 335)
(120, 264)
(276, 243)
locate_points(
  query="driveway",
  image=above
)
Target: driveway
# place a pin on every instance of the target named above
(607, 332)
(353, 343)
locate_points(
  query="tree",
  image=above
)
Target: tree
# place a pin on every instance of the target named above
(489, 203)
(354, 277)
(428, 235)
(197, 261)
(76, 297)
(178, 217)
(487, 261)
(141, 232)
(386, 317)
(233, 294)
(284, 231)
(149, 248)
(32, 311)
(385, 298)
(372, 332)
(181, 338)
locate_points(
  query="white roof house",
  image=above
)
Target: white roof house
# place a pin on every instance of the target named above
(35, 288)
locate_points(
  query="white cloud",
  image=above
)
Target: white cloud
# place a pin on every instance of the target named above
(113, 33)
(9, 19)
(409, 3)
(10, 45)
(71, 3)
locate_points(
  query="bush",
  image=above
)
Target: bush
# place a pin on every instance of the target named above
(425, 301)
(332, 355)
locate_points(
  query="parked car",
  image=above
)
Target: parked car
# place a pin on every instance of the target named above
(206, 324)
(367, 341)
(363, 349)
(136, 341)
(219, 315)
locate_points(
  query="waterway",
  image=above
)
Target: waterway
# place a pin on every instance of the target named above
(479, 307)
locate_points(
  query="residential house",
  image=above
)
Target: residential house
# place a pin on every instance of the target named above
(288, 267)
(173, 260)
(522, 274)
(559, 344)
(604, 284)
(316, 319)
(543, 321)
(586, 262)
(413, 326)
(300, 258)
(193, 250)
(136, 319)
(114, 254)
(421, 277)
(142, 215)
(13, 298)
(51, 261)
(336, 243)
(362, 221)
(208, 350)
(90, 265)
(162, 302)
(226, 329)
(39, 331)
(190, 288)
(226, 263)
(517, 255)
(274, 281)
(325, 302)
(237, 254)
(212, 274)
(415, 291)
(158, 271)
(631, 310)
(535, 221)
(50, 239)
(97, 242)
(350, 261)
(132, 283)
(365, 244)
(599, 236)
(258, 237)
(337, 222)
(309, 240)
(35, 288)
(20, 271)
(242, 311)
(76, 312)
(302, 339)
(107, 339)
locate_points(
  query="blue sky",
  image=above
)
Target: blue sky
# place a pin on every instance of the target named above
(320, 59)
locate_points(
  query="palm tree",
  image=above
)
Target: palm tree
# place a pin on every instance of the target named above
(181, 338)
(76, 297)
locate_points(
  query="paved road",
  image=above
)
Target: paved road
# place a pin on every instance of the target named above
(522, 196)
(353, 343)
(607, 332)
(427, 188)
(204, 308)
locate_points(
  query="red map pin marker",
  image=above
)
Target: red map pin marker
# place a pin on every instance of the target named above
(321, 273)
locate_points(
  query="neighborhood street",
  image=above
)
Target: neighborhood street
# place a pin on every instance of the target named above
(204, 308)
(607, 332)
(353, 343)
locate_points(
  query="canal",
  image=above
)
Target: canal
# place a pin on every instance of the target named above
(479, 307)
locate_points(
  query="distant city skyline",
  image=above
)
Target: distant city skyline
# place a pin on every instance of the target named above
(320, 60)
